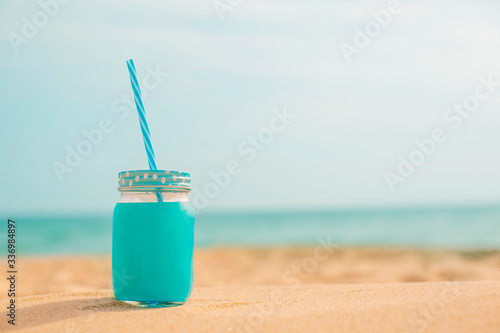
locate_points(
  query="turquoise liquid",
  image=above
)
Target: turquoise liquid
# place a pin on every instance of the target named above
(153, 251)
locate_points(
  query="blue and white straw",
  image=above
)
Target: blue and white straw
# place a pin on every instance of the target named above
(142, 115)
(146, 136)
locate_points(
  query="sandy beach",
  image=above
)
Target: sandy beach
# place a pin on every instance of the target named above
(270, 266)
(392, 307)
(274, 290)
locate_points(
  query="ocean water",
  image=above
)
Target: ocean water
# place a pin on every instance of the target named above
(445, 228)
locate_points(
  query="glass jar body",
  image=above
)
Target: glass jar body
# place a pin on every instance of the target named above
(153, 241)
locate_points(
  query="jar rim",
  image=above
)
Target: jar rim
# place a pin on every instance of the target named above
(153, 180)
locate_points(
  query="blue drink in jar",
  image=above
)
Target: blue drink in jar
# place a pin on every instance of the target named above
(153, 238)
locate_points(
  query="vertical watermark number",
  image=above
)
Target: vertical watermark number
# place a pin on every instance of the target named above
(11, 271)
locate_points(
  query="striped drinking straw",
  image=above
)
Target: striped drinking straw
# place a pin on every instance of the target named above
(146, 136)
(142, 115)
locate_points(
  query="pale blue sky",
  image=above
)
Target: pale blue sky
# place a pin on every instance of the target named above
(225, 78)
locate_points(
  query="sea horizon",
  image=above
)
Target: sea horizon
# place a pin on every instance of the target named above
(474, 227)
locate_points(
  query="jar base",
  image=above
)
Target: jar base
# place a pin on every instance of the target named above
(142, 304)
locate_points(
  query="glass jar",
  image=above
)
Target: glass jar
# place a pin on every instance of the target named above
(153, 238)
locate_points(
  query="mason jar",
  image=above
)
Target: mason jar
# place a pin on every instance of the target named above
(153, 238)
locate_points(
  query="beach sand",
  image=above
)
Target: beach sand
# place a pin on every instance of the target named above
(274, 290)
(390, 307)
(270, 266)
